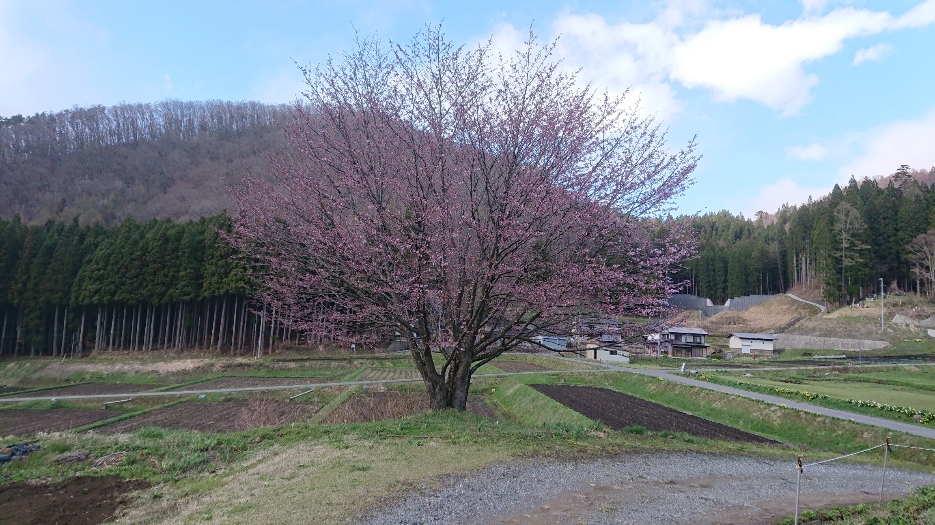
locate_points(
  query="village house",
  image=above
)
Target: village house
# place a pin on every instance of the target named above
(760, 344)
(678, 341)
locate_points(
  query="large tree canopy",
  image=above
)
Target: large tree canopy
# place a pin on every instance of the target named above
(462, 201)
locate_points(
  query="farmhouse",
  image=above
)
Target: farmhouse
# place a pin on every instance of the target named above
(680, 341)
(558, 343)
(595, 350)
(752, 343)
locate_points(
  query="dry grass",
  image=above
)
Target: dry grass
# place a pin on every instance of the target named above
(854, 327)
(770, 316)
(377, 406)
(369, 407)
(264, 412)
(309, 483)
(377, 374)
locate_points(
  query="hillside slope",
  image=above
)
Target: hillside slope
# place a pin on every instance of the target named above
(167, 160)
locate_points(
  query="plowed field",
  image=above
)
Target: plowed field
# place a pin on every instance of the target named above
(215, 417)
(31, 422)
(617, 411)
(83, 500)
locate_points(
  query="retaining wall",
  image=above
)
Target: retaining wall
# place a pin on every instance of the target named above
(787, 341)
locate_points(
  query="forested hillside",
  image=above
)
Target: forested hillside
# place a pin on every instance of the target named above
(842, 244)
(160, 284)
(171, 160)
(76, 265)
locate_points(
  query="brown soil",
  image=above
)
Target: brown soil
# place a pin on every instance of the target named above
(379, 406)
(617, 411)
(512, 367)
(214, 417)
(93, 389)
(77, 501)
(31, 422)
(249, 382)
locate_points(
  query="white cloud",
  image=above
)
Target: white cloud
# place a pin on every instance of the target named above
(744, 58)
(870, 54)
(884, 149)
(813, 6)
(785, 191)
(737, 57)
(919, 16)
(814, 151)
(621, 56)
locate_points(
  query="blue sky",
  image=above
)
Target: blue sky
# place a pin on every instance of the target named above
(786, 97)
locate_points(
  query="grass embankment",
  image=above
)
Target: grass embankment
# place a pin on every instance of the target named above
(908, 390)
(805, 431)
(918, 507)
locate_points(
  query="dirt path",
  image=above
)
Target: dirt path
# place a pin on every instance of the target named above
(822, 308)
(644, 489)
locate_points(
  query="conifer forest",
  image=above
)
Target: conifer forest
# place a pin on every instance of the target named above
(67, 288)
(841, 244)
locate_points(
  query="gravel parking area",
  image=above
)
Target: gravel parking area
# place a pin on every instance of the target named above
(643, 489)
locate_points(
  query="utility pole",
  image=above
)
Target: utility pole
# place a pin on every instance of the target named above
(881, 304)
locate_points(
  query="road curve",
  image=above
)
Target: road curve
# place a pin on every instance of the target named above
(797, 298)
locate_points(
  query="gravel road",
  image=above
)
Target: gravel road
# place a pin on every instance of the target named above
(669, 488)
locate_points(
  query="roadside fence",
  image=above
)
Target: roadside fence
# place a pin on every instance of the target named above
(887, 448)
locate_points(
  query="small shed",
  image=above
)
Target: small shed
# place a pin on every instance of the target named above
(752, 343)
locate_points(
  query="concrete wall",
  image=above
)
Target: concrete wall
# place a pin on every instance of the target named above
(786, 341)
(707, 308)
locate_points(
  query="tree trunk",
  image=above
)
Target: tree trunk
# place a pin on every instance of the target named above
(97, 329)
(262, 329)
(221, 327)
(54, 335)
(113, 318)
(136, 327)
(459, 381)
(81, 336)
(214, 319)
(64, 330)
(272, 331)
(6, 314)
(123, 328)
(234, 325)
(243, 325)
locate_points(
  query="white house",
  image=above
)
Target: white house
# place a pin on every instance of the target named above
(606, 355)
(752, 343)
